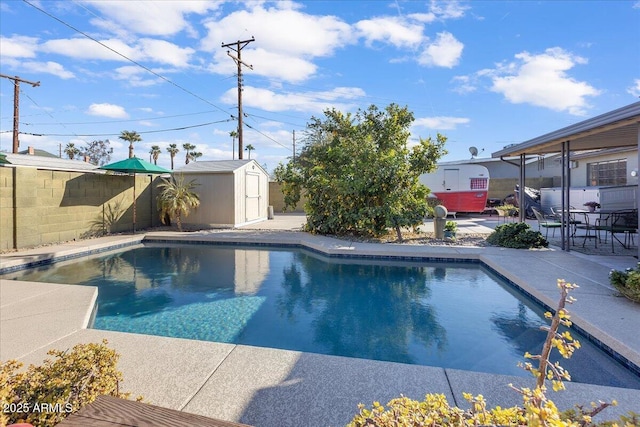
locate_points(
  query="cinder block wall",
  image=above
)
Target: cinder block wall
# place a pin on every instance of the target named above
(6, 209)
(45, 206)
(276, 199)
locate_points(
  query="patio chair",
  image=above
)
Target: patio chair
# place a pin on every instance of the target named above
(545, 222)
(620, 222)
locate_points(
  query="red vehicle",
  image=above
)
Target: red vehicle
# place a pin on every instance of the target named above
(462, 188)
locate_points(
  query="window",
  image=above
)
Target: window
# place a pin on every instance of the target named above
(613, 172)
(478, 183)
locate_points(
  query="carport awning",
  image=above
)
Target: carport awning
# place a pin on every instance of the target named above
(617, 128)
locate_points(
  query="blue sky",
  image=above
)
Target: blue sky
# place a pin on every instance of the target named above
(483, 73)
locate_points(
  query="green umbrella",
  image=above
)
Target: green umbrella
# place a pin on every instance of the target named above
(134, 165)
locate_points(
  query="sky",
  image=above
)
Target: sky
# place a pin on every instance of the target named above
(485, 74)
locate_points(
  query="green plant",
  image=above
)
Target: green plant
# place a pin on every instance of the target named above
(44, 395)
(517, 235)
(537, 410)
(176, 199)
(360, 174)
(451, 226)
(627, 282)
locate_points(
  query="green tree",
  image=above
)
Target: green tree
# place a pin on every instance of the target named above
(359, 174)
(172, 149)
(249, 148)
(71, 150)
(188, 147)
(176, 199)
(194, 155)
(131, 137)
(155, 153)
(233, 134)
(99, 152)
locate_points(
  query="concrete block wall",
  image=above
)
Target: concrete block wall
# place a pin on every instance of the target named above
(6, 208)
(39, 206)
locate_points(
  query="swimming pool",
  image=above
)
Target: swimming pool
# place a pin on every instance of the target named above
(453, 315)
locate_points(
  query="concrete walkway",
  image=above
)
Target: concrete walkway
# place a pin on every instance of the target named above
(268, 387)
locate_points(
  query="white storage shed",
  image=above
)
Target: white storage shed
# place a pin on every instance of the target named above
(232, 193)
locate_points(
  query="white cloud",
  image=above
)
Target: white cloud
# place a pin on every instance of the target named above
(107, 110)
(445, 51)
(268, 64)
(440, 122)
(159, 18)
(166, 53)
(288, 40)
(393, 30)
(135, 76)
(18, 46)
(448, 9)
(48, 67)
(542, 80)
(315, 102)
(635, 88)
(280, 30)
(464, 84)
(83, 48)
(158, 51)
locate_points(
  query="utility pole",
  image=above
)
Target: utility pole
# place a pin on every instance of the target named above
(294, 146)
(16, 106)
(237, 48)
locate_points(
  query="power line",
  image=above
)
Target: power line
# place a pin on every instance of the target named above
(117, 121)
(125, 57)
(266, 136)
(111, 133)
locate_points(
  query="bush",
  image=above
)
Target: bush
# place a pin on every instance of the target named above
(44, 395)
(517, 235)
(627, 282)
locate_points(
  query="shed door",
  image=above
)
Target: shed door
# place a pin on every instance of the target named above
(252, 191)
(451, 179)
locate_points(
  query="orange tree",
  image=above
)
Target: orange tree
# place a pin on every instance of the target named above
(359, 174)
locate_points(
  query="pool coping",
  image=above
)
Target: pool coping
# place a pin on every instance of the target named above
(496, 259)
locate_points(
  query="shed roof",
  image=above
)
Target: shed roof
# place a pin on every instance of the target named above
(617, 128)
(215, 166)
(41, 162)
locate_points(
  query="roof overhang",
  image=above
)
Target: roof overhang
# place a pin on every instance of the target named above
(617, 128)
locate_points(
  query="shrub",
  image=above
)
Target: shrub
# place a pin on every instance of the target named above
(517, 235)
(627, 282)
(44, 395)
(537, 410)
(450, 226)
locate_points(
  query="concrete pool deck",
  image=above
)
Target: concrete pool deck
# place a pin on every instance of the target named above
(268, 387)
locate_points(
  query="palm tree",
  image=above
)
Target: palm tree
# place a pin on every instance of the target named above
(195, 155)
(233, 134)
(131, 136)
(71, 150)
(176, 199)
(249, 148)
(172, 149)
(155, 153)
(188, 147)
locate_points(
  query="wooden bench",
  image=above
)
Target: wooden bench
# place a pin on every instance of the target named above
(108, 411)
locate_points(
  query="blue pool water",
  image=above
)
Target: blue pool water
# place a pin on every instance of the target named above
(453, 315)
